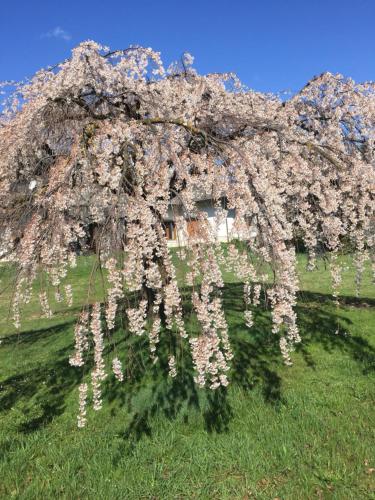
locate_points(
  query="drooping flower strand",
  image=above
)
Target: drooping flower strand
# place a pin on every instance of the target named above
(172, 366)
(170, 294)
(361, 249)
(117, 369)
(58, 295)
(44, 303)
(115, 291)
(98, 374)
(336, 276)
(154, 333)
(81, 418)
(211, 351)
(249, 318)
(360, 258)
(17, 299)
(69, 295)
(137, 318)
(282, 296)
(81, 339)
(256, 294)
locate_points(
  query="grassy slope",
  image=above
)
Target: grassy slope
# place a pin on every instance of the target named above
(302, 432)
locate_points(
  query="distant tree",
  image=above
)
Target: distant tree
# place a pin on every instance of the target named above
(106, 140)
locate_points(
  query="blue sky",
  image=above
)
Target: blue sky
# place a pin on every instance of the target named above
(272, 45)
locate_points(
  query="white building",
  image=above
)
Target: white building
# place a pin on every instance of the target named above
(222, 226)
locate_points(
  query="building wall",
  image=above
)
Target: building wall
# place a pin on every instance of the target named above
(224, 231)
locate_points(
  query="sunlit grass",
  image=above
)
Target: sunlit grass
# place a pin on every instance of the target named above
(307, 431)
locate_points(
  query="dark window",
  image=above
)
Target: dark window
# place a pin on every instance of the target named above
(170, 229)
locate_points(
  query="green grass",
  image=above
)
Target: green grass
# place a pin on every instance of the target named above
(300, 432)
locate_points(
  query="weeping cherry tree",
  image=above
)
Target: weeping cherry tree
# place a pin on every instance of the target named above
(103, 146)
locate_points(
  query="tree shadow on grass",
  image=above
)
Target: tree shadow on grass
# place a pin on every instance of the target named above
(147, 391)
(42, 389)
(323, 324)
(256, 362)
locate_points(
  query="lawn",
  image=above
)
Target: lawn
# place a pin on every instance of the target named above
(300, 432)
